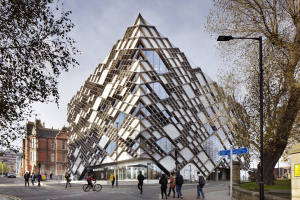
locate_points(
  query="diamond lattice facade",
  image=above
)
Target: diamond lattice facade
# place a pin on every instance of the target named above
(143, 102)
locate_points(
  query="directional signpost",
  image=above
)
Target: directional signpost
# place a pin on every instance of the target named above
(234, 151)
(231, 152)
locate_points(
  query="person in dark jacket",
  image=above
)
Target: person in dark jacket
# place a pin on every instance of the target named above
(179, 182)
(39, 178)
(50, 176)
(141, 180)
(67, 176)
(26, 178)
(164, 184)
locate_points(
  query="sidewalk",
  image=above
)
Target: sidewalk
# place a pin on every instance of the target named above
(211, 193)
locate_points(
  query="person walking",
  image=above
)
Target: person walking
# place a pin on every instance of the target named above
(164, 184)
(50, 176)
(112, 179)
(67, 176)
(172, 184)
(32, 178)
(201, 183)
(39, 178)
(26, 178)
(179, 182)
(141, 181)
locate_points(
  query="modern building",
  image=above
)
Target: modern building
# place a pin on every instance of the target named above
(142, 104)
(44, 146)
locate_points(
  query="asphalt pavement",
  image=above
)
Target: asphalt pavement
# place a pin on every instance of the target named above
(213, 190)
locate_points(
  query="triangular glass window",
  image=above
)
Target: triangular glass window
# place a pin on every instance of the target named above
(140, 46)
(156, 62)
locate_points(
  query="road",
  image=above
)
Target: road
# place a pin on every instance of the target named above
(13, 188)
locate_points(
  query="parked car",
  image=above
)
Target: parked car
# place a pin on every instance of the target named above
(11, 175)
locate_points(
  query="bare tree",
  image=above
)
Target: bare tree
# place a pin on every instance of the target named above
(278, 21)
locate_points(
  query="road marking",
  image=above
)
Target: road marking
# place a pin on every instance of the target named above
(10, 197)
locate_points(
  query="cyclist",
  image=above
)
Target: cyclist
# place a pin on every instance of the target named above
(89, 180)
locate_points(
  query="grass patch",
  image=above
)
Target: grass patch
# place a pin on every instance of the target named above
(279, 185)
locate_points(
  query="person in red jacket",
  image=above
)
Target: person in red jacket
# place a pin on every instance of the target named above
(89, 180)
(172, 184)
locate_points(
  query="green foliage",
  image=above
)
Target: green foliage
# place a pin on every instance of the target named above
(34, 49)
(279, 185)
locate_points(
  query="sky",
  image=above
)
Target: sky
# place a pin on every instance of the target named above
(100, 23)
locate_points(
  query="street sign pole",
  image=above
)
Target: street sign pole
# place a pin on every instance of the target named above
(231, 172)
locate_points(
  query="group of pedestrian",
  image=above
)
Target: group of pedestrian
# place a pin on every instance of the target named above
(175, 181)
(32, 177)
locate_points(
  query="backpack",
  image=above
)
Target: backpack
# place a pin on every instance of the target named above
(201, 181)
(179, 180)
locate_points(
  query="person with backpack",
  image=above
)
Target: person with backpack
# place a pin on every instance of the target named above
(164, 184)
(172, 184)
(89, 180)
(141, 180)
(179, 182)
(67, 176)
(201, 183)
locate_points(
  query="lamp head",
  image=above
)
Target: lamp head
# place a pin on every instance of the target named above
(224, 38)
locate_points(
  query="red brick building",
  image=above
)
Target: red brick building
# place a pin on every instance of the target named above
(46, 146)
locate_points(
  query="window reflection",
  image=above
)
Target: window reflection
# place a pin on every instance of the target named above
(159, 90)
(155, 61)
(120, 118)
(165, 144)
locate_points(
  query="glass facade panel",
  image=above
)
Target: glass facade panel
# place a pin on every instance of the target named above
(111, 147)
(165, 144)
(156, 62)
(209, 128)
(212, 146)
(121, 117)
(159, 90)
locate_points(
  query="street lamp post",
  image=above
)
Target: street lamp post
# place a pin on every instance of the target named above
(227, 38)
(117, 155)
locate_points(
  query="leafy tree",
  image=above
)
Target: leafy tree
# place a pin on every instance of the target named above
(5, 168)
(34, 49)
(279, 23)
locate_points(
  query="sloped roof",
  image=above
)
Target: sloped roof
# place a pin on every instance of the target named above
(44, 132)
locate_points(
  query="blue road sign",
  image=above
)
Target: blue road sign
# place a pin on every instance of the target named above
(224, 152)
(234, 151)
(240, 151)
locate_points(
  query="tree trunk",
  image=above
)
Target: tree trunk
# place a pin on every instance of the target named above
(273, 149)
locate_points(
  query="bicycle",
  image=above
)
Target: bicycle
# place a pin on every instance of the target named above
(96, 187)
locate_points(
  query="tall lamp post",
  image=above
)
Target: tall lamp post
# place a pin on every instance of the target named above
(117, 155)
(227, 38)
